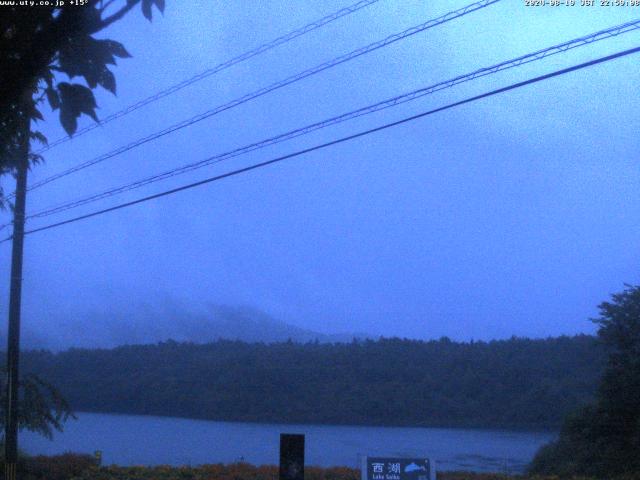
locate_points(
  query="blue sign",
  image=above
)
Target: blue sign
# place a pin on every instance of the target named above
(393, 468)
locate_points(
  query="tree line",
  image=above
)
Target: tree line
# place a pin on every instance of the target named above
(516, 383)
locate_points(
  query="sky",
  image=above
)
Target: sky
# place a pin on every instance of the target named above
(513, 215)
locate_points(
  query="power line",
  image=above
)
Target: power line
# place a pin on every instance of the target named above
(524, 59)
(218, 68)
(275, 86)
(341, 140)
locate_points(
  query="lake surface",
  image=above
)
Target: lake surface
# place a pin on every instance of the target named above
(146, 440)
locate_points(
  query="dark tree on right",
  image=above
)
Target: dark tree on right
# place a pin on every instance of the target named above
(603, 439)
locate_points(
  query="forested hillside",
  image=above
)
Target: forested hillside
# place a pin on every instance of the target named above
(517, 383)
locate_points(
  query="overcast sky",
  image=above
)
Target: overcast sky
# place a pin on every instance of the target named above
(514, 215)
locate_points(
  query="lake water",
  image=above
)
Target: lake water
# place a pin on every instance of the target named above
(146, 440)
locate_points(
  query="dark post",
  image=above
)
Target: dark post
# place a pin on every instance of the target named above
(15, 295)
(291, 457)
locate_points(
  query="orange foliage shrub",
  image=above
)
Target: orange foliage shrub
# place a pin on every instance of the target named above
(83, 467)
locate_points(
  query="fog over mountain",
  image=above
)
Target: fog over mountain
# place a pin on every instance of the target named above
(147, 324)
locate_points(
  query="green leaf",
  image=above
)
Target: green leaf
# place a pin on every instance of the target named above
(108, 81)
(35, 158)
(35, 113)
(87, 57)
(146, 9)
(101, 52)
(92, 18)
(68, 119)
(48, 77)
(75, 100)
(53, 97)
(160, 5)
(39, 136)
(92, 73)
(117, 48)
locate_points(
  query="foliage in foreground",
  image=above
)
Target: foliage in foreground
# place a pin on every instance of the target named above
(41, 409)
(603, 439)
(82, 467)
(37, 45)
(59, 467)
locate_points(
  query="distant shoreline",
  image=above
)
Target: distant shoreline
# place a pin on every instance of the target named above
(346, 425)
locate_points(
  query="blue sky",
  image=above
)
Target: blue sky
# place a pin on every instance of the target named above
(514, 215)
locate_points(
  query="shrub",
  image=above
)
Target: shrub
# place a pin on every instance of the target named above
(59, 467)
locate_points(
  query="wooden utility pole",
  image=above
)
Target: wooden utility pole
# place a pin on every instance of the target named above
(15, 297)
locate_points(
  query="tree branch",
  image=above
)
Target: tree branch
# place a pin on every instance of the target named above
(117, 16)
(104, 6)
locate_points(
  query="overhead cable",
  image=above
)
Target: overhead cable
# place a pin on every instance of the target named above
(400, 99)
(338, 141)
(275, 86)
(218, 68)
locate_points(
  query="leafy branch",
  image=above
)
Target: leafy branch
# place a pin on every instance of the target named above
(41, 409)
(37, 46)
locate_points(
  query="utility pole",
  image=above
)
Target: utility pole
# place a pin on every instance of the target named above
(15, 297)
